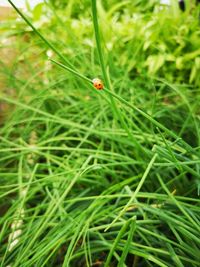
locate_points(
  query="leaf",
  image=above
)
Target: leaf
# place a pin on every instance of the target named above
(154, 63)
(37, 11)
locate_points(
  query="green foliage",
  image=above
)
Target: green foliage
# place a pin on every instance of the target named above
(160, 41)
(101, 178)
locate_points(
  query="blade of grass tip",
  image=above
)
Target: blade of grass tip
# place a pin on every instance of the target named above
(127, 245)
(40, 35)
(117, 239)
(136, 191)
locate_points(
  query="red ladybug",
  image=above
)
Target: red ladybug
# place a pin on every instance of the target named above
(98, 84)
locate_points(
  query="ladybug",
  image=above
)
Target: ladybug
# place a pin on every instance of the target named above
(98, 84)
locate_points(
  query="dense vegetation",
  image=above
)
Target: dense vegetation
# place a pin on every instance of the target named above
(108, 177)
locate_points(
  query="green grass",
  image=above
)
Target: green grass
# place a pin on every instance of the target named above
(100, 178)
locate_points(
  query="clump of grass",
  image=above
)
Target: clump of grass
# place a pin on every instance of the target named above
(98, 178)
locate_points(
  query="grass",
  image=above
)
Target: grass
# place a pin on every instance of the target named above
(97, 178)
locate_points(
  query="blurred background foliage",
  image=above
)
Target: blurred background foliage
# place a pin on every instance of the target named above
(142, 37)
